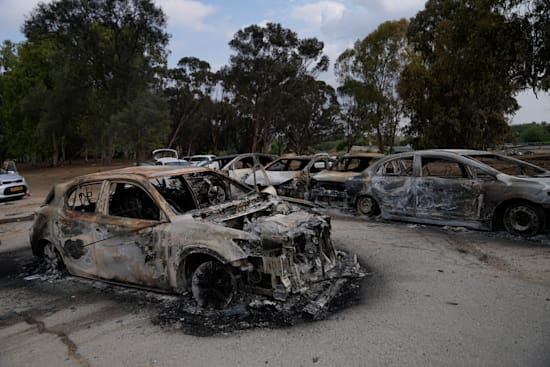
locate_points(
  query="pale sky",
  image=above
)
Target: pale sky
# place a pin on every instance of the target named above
(203, 29)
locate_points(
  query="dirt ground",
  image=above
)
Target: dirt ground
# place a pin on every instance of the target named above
(436, 297)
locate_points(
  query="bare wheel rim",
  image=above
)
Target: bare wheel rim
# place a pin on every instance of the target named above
(522, 219)
(212, 285)
(366, 205)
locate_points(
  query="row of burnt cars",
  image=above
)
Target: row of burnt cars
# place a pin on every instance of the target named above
(215, 232)
(467, 188)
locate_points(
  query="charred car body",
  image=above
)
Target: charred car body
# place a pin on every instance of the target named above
(328, 187)
(470, 188)
(240, 166)
(291, 176)
(186, 229)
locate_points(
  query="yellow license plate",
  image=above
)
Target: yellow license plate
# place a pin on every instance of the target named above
(17, 188)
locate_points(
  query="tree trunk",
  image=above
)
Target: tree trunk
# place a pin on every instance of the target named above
(63, 155)
(55, 151)
(255, 133)
(183, 119)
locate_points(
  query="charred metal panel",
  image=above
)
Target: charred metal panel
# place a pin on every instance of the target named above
(448, 198)
(395, 194)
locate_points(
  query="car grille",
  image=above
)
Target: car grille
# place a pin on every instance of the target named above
(10, 182)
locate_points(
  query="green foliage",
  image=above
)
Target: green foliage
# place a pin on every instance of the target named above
(369, 73)
(145, 122)
(189, 88)
(91, 79)
(459, 90)
(532, 133)
(268, 64)
(301, 125)
(83, 63)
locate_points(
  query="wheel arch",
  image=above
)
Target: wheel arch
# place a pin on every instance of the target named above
(189, 261)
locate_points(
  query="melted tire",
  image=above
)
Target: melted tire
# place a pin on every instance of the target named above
(523, 219)
(212, 286)
(366, 205)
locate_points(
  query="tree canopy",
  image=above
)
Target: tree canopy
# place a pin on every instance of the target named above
(267, 63)
(369, 73)
(91, 80)
(84, 62)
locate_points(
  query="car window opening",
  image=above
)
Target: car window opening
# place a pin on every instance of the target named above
(129, 201)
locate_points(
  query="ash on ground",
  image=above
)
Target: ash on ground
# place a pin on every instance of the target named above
(251, 311)
(181, 312)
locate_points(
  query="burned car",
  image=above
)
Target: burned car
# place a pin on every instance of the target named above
(180, 229)
(240, 166)
(470, 188)
(168, 157)
(291, 176)
(328, 187)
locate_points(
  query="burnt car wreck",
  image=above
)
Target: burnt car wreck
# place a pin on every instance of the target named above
(189, 229)
(328, 187)
(470, 188)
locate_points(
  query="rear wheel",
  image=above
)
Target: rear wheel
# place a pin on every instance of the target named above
(523, 219)
(212, 285)
(366, 205)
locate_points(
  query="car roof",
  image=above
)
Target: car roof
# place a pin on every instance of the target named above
(464, 155)
(362, 155)
(146, 172)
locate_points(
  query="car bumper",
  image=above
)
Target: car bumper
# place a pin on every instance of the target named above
(13, 191)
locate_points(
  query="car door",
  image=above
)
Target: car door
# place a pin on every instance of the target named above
(128, 237)
(74, 226)
(445, 189)
(392, 186)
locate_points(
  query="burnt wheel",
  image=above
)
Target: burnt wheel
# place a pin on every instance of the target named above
(523, 219)
(52, 258)
(366, 205)
(212, 285)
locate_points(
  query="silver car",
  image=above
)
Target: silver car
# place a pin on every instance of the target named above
(291, 176)
(12, 185)
(470, 188)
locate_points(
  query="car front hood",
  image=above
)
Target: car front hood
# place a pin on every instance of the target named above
(334, 176)
(543, 182)
(10, 177)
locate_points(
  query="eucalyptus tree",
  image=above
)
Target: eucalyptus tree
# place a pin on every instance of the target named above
(146, 123)
(369, 74)
(266, 63)
(310, 115)
(459, 88)
(189, 91)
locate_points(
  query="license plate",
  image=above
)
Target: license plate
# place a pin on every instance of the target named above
(17, 188)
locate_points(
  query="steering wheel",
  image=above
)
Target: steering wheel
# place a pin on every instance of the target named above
(216, 194)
